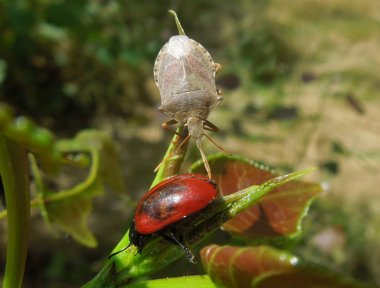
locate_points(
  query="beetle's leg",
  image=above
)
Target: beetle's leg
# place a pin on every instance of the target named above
(219, 92)
(171, 238)
(166, 125)
(217, 67)
(210, 127)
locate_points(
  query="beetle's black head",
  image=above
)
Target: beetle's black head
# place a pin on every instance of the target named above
(136, 238)
(133, 234)
(139, 240)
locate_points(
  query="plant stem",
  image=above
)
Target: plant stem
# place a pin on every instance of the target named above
(14, 171)
(66, 194)
(172, 161)
(179, 26)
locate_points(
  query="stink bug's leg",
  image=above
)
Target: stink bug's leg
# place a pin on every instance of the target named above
(183, 142)
(210, 127)
(217, 68)
(204, 158)
(172, 239)
(157, 167)
(166, 125)
(171, 154)
(213, 142)
(219, 92)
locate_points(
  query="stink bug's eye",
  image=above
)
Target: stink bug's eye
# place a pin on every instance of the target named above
(165, 205)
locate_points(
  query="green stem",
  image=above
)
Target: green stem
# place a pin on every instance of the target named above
(14, 171)
(179, 26)
(174, 156)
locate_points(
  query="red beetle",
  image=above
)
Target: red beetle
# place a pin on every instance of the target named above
(166, 204)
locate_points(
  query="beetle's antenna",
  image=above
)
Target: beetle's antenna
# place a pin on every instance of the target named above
(213, 142)
(117, 252)
(179, 27)
(204, 158)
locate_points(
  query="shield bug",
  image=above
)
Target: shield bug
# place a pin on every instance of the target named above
(184, 73)
(161, 209)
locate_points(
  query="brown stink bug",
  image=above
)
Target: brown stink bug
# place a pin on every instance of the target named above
(184, 73)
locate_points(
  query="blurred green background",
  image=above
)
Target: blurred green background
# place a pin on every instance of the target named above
(301, 82)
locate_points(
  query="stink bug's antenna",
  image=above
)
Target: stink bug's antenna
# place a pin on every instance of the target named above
(179, 27)
(213, 142)
(207, 166)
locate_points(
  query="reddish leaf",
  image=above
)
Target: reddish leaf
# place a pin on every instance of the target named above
(279, 213)
(263, 266)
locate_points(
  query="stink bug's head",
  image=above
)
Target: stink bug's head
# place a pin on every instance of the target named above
(195, 127)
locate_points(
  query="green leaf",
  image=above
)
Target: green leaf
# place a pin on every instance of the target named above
(71, 214)
(69, 209)
(179, 282)
(279, 213)
(32, 138)
(263, 266)
(99, 142)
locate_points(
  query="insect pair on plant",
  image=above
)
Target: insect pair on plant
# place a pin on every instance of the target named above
(184, 73)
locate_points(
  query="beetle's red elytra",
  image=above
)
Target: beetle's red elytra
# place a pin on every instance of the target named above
(184, 73)
(173, 200)
(165, 205)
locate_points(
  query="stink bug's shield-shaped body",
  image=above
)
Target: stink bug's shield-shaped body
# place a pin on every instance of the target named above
(184, 73)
